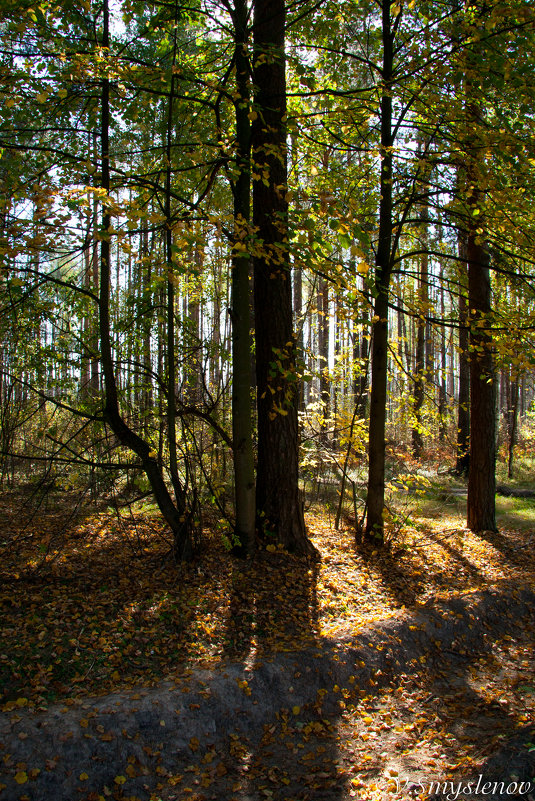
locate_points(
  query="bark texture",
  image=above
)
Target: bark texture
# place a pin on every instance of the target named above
(481, 504)
(481, 512)
(278, 502)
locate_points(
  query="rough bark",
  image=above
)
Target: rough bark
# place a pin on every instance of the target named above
(481, 514)
(463, 409)
(279, 507)
(481, 503)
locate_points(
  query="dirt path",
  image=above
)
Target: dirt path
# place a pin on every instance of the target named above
(435, 694)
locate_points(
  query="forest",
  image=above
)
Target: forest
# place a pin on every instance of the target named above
(267, 380)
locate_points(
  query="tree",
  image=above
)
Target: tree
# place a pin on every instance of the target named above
(278, 502)
(175, 512)
(383, 273)
(481, 508)
(242, 433)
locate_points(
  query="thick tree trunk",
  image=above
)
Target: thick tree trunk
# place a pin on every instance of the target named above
(279, 507)
(481, 514)
(463, 410)
(481, 503)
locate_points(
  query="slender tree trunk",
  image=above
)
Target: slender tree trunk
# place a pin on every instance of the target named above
(193, 320)
(242, 431)
(175, 515)
(512, 424)
(421, 373)
(85, 365)
(383, 271)
(279, 506)
(419, 367)
(180, 499)
(442, 395)
(323, 351)
(299, 322)
(299, 325)
(147, 399)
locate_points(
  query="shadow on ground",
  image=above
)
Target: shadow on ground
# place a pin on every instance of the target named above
(262, 727)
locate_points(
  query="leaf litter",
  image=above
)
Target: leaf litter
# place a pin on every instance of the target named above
(328, 680)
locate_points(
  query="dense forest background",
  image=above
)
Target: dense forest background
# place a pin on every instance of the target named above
(250, 250)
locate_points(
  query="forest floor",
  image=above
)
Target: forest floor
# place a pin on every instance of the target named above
(368, 673)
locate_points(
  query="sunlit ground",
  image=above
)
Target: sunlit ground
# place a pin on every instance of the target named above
(100, 604)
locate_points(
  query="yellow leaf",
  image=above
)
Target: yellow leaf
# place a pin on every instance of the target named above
(271, 548)
(10, 102)
(83, 777)
(116, 675)
(120, 780)
(21, 702)
(21, 777)
(296, 710)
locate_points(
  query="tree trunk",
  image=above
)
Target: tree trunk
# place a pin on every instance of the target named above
(279, 507)
(463, 409)
(481, 504)
(383, 271)
(442, 395)
(323, 353)
(419, 367)
(180, 499)
(481, 514)
(512, 424)
(175, 515)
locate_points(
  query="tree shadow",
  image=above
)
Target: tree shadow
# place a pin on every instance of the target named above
(499, 741)
(272, 629)
(404, 579)
(256, 717)
(505, 543)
